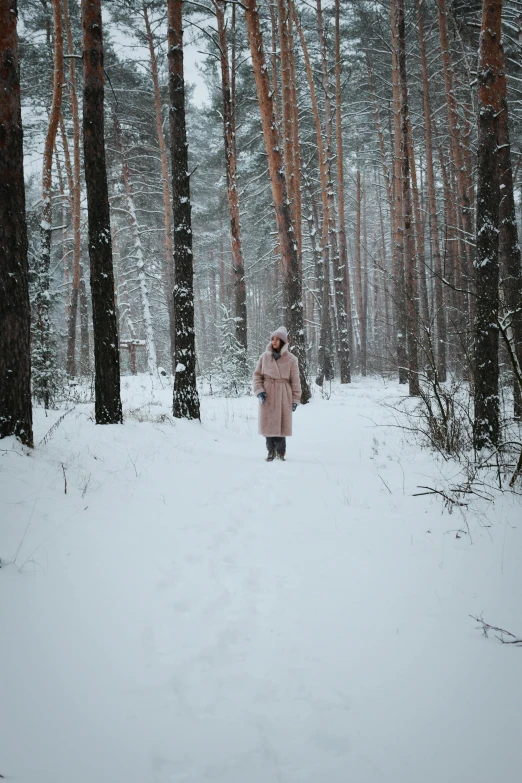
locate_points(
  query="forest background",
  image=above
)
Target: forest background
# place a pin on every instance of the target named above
(394, 247)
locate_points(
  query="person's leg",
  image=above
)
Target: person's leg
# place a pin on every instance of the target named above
(271, 448)
(280, 447)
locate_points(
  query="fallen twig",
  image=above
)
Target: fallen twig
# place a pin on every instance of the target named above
(487, 627)
(55, 426)
(433, 491)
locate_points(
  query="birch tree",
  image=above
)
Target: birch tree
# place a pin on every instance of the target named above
(139, 257)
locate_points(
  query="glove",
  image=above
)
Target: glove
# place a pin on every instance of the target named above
(294, 407)
(262, 397)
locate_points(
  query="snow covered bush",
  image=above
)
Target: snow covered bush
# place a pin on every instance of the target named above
(229, 374)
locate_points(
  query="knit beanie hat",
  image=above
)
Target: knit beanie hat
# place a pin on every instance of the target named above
(281, 333)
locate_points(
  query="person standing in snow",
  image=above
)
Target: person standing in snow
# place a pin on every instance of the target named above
(278, 389)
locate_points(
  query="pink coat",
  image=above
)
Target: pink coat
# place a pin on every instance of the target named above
(280, 380)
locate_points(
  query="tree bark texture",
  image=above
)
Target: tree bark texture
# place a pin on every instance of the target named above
(168, 265)
(286, 234)
(75, 200)
(42, 333)
(333, 246)
(324, 357)
(456, 147)
(440, 317)
(139, 257)
(341, 282)
(359, 270)
(399, 282)
(15, 312)
(186, 399)
(106, 351)
(298, 226)
(509, 247)
(229, 131)
(412, 295)
(487, 414)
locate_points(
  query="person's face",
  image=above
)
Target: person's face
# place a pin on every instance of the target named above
(276, 343)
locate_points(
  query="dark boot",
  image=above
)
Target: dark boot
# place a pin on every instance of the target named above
(280, 447)
(271, 455)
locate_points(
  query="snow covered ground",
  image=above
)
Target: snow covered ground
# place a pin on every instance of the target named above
(188, 612)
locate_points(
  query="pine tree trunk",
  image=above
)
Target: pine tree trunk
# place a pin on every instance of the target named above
(509, 248)
(333, 246)
(440, 317)
(44, 358)
(286, 234)
(364, 351)
(397, 189)
(324, 357)
(15, 312)
(358, 268)
(341, 280)
(65, 200)
(85, 359)
(139, 257)
(418, 234)
(487, 413)
(380, 135)
(409, 237)
(298, 222)
(186, 400)
(66, 252)
(106, 353)
(287, 132)
(456, 147)
(229, 129)
(273, 59)
(75, 198)
(168, 265)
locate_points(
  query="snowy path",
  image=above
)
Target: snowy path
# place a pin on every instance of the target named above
(187, 612)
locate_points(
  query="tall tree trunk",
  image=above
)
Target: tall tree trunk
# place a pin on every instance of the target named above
(418, 234)
(186, 400)
(75, 198)
(409, 238)
(85, 359)
(487, 413)
(440, 317)
(364, 243)
(286, 234)
(509, 248)
(398, 256)
(456, 145)
(273, 59)
(333, 246)
(341, 280)
(106, 352)
(65, 200)
(139, 257)
(44, 358)
(324, 358)
(358, 268)
(168, 264)
(287, 132)
(298, 222)
(15, 313)
(229, 130)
